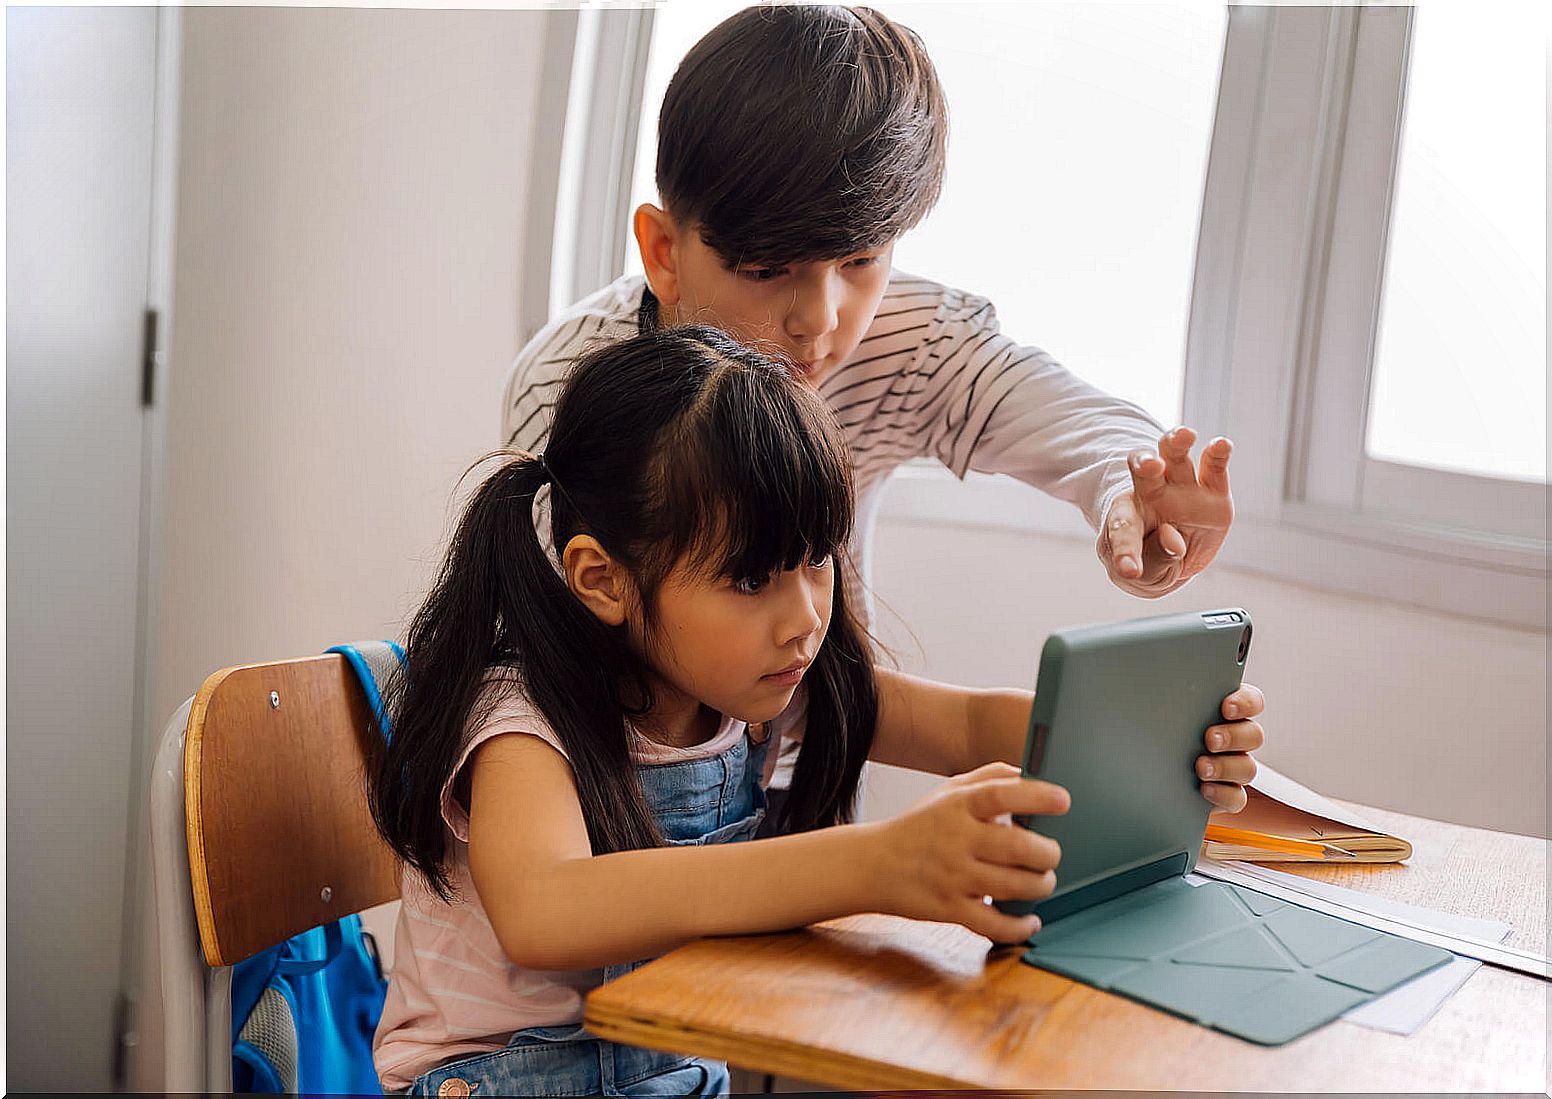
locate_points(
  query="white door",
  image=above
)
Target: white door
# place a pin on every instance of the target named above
(80, 104)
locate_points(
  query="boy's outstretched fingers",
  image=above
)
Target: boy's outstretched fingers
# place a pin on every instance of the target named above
(1123, 529)
(1175, 449)
(1214, 473)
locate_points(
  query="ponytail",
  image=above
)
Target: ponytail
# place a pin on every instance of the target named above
(498, 603)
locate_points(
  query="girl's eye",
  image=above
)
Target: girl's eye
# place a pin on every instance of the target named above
(820, 562)
(751, 585)
(761, 274)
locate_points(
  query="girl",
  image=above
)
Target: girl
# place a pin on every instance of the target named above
(579, 751)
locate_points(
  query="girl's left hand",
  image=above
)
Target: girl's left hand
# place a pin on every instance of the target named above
(1227, 768)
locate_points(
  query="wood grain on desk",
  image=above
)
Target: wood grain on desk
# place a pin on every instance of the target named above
(872, 1002)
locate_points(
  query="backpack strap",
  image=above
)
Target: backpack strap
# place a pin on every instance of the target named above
(373, 662)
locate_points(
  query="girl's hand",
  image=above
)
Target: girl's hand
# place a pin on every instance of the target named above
(944, 856)
(1227, 768)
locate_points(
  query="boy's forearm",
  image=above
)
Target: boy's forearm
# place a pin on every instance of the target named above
(628, 905)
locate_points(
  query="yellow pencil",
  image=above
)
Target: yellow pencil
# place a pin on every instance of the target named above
(1220, 834)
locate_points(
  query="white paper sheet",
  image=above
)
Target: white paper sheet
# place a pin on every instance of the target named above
(1275, 784)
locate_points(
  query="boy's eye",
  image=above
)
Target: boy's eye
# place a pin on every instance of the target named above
(862, 261)
(761, 274)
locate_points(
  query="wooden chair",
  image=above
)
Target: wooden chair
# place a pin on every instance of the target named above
(260, 831)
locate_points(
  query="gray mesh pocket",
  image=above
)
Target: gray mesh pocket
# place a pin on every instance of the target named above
(271, 1029)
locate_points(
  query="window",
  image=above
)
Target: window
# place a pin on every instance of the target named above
(1459, 368)
(1307, 187)
(1368, 275)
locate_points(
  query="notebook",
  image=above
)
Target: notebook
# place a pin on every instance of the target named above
(1282, 809)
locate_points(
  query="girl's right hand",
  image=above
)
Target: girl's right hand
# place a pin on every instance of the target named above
(941, 858)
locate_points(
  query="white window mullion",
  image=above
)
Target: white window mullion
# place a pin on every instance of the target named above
(1255, 242)
(1336, 364)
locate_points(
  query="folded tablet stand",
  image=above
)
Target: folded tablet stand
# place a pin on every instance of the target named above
(1224, 956)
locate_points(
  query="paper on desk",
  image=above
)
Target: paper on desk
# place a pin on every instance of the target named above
(1403, 1009)
(1275, 784)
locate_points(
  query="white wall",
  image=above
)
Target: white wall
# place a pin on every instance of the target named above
(1367, 700)
(352, 191)
(351, 199)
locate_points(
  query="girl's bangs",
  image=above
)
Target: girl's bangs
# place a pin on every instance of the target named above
(759, 481)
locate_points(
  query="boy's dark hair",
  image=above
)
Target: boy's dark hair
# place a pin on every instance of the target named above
(678, 446)
(793, 133)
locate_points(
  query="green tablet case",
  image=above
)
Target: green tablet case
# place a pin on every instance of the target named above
(1118, 719)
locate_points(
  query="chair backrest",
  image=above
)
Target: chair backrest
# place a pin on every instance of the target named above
(275, 763)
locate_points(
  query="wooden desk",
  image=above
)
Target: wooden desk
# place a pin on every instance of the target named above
(875, 1002)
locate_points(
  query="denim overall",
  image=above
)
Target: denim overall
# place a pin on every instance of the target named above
(713, 800)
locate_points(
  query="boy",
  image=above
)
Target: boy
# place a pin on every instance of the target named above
(796, 145)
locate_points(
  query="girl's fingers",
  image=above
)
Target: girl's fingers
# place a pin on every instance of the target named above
(1018, 847)
(1236, 736)
(1175, 449)
(1171, 541)
(1246, 701)
(983, 919)
(1224, 795)
(1214, 473)
(995, 769)
(1024, 796)
(1004, 883)
(1232, 767)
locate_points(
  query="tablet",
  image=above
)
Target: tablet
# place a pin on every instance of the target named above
(1119, 715)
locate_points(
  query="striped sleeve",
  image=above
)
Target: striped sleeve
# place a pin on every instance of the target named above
(535, 379)
(996, 406)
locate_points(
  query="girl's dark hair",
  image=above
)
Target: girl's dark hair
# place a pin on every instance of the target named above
(797, 132)
(676, 446)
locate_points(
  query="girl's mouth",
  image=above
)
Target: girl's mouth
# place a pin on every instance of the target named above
(789, 676)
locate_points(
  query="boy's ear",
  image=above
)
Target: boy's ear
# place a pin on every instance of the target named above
(596, 579)
(657, 235)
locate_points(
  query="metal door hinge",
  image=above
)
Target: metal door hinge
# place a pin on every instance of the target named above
(124, 1039)
(150, 357)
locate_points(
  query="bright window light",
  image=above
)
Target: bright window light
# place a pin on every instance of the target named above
(1460, 376)
(1077, 152)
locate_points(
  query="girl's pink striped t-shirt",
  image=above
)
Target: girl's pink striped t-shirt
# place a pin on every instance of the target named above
(453, 992)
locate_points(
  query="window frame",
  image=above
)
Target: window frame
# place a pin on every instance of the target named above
(1283, 317)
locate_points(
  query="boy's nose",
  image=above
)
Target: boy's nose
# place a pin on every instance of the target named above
(815, 309)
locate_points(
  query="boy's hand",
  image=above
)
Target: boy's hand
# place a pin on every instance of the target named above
(941, 858)
(1227, 768)
(1169, 525)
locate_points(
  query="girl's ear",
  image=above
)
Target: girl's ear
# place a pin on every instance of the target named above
(657, 235)
(595, 578)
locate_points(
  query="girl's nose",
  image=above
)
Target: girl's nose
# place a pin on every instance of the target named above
(803, 609)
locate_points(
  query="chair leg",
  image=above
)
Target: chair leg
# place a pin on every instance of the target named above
(218, 1031)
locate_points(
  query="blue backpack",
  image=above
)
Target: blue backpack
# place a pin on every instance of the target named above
(304, 1012)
